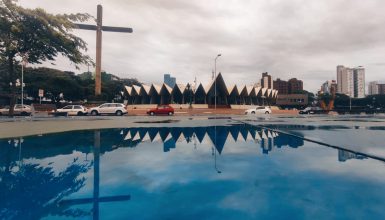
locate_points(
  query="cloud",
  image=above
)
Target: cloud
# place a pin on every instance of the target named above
(286, 38)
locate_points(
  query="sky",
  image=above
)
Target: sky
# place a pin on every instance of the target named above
(305, 39)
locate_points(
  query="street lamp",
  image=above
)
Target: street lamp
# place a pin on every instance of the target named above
(215, 81)
(23, 63)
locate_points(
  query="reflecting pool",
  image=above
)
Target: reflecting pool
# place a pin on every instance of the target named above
(219, 172)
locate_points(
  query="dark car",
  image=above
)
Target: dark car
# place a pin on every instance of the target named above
(161, 110)
(312, 110)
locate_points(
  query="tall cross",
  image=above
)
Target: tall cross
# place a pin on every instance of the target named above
(99, 28)
(95, 199)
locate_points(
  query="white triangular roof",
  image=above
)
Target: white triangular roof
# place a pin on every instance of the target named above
(264, 135)
(128, 136)
(181, 87)
(146, 137)
(231, 88)
(243, 88)
(257, 137)
(169, 89)
(169, 136)
(230, 137)
(207, 88)
(249, 137)
(137, 89)
(269, 91)
(240, 137)
(136, 137)
(181, 137)
(269, 135)
(146, 88)
(157, 88)
(264, 91)
(257, 89)
(128, 89)
(157, 138)
(249, 89)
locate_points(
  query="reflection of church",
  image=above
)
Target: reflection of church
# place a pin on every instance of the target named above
(344, 155)
(200, 94)
(218, 136)
(58, 186)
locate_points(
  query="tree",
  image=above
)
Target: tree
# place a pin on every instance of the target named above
(36, 36)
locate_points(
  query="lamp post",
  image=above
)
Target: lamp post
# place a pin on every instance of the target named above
(215, 81)
(23, 62)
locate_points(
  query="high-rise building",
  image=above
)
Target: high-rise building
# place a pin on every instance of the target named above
(266, 81)
(295, 86)
(376, 88)
(281, 86)
(381, 89)
(373, 88)
(170, 81)
(329, 86)
(359, 82)
(351, 81)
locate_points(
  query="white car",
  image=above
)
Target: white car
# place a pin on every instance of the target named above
(73, 110)
(108, 108)
(258, 110)
(19, 109)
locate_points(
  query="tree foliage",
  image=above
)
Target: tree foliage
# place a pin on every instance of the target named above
(36, 36)
(39, 35)
(73, 87)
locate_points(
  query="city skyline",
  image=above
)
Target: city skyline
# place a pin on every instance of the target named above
(305, 40)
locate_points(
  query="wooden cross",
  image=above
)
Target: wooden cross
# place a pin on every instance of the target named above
(99, 28)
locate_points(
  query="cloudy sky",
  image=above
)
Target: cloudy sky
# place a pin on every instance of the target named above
(305, 39)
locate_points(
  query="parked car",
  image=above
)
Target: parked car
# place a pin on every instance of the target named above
(259, 110)
(73, 110)
(311, 110)
(161, 110)
(109, 108)
(23, 110)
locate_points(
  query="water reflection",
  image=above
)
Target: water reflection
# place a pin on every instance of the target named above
(23, 178)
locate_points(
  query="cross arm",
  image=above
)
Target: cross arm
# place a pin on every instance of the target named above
(117, 29)
(104, 28)
(86, 27)
(90, 200)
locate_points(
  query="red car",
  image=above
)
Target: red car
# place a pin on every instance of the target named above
(161, 110)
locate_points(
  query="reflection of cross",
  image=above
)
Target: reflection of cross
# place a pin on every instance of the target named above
(95, 199)
(99, 28)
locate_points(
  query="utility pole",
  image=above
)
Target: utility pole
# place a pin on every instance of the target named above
(215, 82)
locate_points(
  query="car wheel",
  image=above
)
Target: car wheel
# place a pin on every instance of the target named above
(24, 113)
(267, 112)
(152, 113)
(170, 113)
(253, 113)
(119, 113)
(79, 114)
(94, 112)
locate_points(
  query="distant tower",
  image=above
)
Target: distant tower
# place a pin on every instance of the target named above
(170, 81)
(266, 81)
(351, 81)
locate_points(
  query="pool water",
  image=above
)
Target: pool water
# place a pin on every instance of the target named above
(217, 172)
